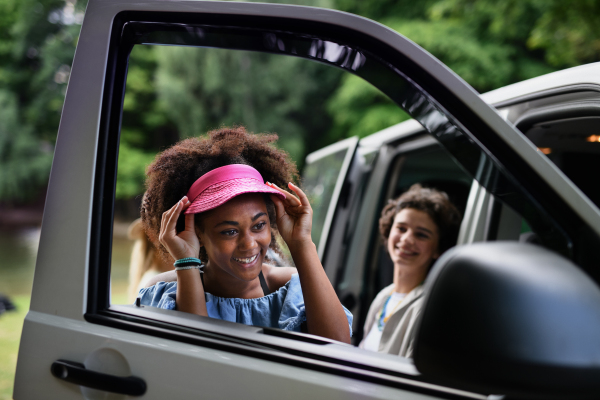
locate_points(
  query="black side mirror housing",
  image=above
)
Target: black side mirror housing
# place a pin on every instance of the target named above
(510, 318)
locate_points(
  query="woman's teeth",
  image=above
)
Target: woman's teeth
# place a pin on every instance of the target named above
(246, 260)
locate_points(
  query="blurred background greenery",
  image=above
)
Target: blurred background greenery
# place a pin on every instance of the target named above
(489, 43)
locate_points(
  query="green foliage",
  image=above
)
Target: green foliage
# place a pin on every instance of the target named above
(24, 160)
(179, 92)
(37, 42)
(569, 32)
(382, 9)
(359, 109)
(131, 170)
(203, 89)
(486, 64)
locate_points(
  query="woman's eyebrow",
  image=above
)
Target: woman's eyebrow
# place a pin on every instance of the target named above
(257, 216)
(227, 223)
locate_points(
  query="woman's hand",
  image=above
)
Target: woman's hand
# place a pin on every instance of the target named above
(186, 243)
(294, 215)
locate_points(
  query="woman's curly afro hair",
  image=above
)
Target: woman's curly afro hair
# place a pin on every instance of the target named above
(435, 203)
(172, 173)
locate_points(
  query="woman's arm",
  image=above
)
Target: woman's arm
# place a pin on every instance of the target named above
(190, 292)
(324, 313)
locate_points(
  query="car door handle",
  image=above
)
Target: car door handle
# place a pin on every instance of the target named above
(74, 372)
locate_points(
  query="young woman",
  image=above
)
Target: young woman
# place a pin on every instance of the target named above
(417, 228)
(209, 210)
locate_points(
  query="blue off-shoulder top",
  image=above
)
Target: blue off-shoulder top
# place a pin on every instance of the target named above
(283, 309)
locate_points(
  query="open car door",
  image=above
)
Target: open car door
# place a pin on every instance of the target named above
(327, 183)
(75, 342)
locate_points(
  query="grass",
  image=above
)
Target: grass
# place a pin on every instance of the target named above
(11, 324)
(18, 251)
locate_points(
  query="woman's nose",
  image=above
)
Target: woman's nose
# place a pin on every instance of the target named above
(247, 241)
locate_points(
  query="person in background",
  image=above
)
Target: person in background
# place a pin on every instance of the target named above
(416, 228)
(145, 262)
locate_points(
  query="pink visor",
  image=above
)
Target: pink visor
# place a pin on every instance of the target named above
(222, 184)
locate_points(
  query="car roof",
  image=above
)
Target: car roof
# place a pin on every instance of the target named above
(588, 74)
(581, 75)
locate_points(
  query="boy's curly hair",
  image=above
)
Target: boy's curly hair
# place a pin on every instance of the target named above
(173, 171)
(435, 203)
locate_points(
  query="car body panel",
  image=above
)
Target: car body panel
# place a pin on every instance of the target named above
(173, 369)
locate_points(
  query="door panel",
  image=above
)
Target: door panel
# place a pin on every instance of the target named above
(173, 369)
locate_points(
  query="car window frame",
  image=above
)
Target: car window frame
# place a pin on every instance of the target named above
(291, 348)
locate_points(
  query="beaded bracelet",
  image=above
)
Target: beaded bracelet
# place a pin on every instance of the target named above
(187, 260)
(188, 263)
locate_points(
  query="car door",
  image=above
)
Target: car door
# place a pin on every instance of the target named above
(557, 113)
(327, 180)
(76, 342)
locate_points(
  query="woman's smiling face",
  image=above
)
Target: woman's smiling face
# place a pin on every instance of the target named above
(413, 241)
(237, 235)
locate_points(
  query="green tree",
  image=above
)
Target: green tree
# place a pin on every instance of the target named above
(203, 89)
(37, 43)
(488, 43)
(24, 160)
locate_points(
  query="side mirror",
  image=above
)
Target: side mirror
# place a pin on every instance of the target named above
(510, 318)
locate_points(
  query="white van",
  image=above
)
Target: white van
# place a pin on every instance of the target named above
(526, 318)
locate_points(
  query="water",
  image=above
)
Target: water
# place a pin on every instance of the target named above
(18, 252)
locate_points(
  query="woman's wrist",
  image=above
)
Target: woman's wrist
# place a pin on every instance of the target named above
(301, 246)
(183, 254)
(188, 263)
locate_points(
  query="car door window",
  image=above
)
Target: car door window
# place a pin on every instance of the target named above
(457, 139)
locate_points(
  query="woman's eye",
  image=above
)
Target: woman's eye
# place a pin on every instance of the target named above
(229, 232)
(260, 225)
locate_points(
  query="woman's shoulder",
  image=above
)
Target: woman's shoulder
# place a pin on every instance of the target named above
(277, 277)
(161, 295)
(169, 276)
